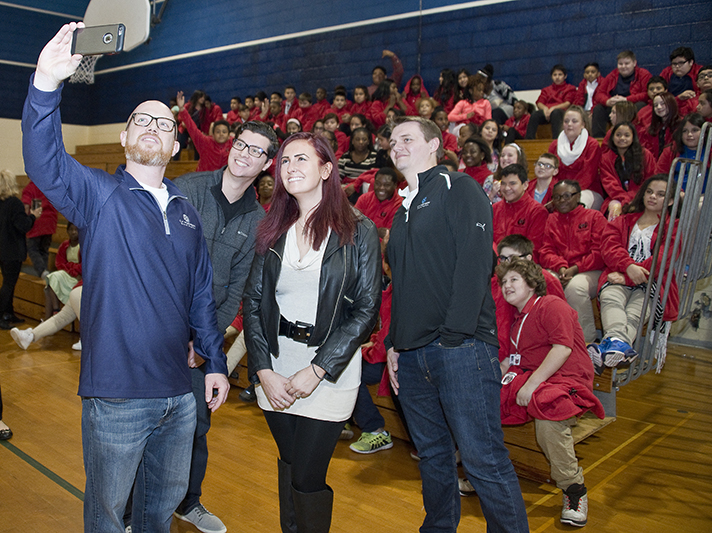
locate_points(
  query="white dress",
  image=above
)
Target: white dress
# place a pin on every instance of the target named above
(298, 297)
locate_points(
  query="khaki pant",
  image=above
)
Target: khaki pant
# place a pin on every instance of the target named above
(620, 311)
(555, 439)
(236, 352)
(579, 292)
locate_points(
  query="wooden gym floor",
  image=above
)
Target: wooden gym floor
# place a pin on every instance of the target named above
(650, 471)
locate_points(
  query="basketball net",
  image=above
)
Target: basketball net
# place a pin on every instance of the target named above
(85, 71)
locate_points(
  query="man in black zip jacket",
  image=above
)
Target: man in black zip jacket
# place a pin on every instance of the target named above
(442, 343)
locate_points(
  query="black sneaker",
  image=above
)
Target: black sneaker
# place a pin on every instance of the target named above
(248, 395)
(574, 511)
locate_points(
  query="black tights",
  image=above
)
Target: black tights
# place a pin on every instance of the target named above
(307, 445)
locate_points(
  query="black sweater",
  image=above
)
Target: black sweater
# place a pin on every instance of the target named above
(14, 223)
(440, 254)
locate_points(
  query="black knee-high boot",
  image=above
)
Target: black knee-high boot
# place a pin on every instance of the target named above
(313, 510)
(286, 504)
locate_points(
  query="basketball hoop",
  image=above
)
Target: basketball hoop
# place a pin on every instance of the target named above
(85, 71)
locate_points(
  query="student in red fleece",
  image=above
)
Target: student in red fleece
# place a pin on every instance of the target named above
(623, 168)
(415, 90)
(322, 105)
(515, 127)
(362, 102)
(580, 156)
(548, 377)
(704, 83)
(552, 103)
(306, 113)
(681, 76)
(704, 105)
(340, 107)
(331, 123)
(545, 169)
(385, 99)
(627, 82)
(213, 149)
(519, 213)
(511, 247)
(39, 238)
(445, 93)
(620, 112)
(587, 88)
(656, 133)
(379, 75)
(475, 107)
(685, 141)
(512, 154)
(572, 250)
(656, 86)
(233, 115)
(213, 113)
(381, 204)
(289, 104)
(261, 102)
(475, 156)
(439, 116)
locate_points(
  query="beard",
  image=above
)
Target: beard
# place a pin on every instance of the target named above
(145, 157)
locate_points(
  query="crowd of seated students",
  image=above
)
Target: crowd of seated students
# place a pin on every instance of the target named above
(581, 185)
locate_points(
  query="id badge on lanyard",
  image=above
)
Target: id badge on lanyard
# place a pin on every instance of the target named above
(515, 359)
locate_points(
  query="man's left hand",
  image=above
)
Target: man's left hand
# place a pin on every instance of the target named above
(221, 385)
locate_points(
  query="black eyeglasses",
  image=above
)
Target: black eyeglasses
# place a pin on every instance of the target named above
(565, 197)
(507, 258)
(679, 63)
(144, 120)
(254, 151)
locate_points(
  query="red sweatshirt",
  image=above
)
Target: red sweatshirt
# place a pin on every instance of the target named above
(519, 125)
(381, 213)
(479, 173)
(62, 263)
(412, 98)
(525, 216)
(557, 94)
(573, 238)
(638, 87)
(212, 155)
(504, 312)
(612, 184)
(546, 201)
(615, 242)
(450, 141)
(584, 169)
(377, 352)
(651, 142)
(47, 223)
(582, 93)
(232, 117)
(688, 106)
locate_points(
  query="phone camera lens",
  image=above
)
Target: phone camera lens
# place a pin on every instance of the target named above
(108, 38)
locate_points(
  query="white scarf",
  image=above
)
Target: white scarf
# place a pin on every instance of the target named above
(568, 155)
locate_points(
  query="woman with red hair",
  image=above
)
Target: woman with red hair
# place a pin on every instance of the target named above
(311, 300)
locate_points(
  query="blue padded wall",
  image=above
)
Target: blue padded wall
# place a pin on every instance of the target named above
(522, 39)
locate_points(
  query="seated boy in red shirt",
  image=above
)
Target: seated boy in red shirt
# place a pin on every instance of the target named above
(552, 103)
(515, 127)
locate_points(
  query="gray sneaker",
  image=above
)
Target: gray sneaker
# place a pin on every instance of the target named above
(203, 519)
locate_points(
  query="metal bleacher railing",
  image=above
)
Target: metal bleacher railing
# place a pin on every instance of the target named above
(691, 250)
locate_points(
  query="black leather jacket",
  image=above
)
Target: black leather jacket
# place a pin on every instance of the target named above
(349, 301)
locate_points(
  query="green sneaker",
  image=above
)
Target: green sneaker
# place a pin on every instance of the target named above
(372, 442)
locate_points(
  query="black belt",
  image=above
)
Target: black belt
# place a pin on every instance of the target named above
(297, 331)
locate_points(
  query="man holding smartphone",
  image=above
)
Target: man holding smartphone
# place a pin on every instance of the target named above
(138, 411)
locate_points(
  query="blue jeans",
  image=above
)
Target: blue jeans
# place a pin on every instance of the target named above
(454, 392)
(146, 441)
(366, 414)
(199, 461)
